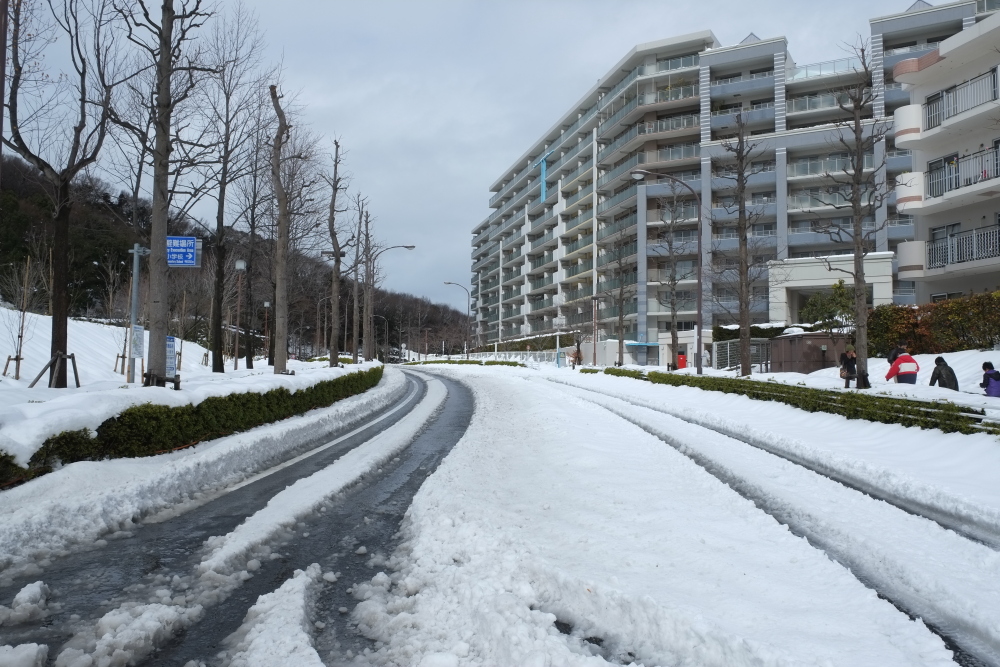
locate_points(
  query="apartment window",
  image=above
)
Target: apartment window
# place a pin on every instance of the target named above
(681, 325)
(800, 226)
(936, 298)
(768, 229)
(763, 198)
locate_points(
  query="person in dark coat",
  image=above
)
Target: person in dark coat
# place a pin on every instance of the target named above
(991, 380)
(849, 367)
(896, 351)
(944, 375)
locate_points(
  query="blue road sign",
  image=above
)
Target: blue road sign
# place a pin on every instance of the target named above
(182, 251)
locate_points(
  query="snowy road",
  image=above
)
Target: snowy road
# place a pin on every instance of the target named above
(156, 577)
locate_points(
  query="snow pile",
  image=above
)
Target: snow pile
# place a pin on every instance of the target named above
(308, 493)
(25, 655)
(950, 473)
(570, 513)
(28, 605)
(127, 635)
(276, 629)
(84, 500)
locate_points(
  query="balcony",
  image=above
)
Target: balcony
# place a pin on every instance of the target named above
(583, 170)
(963, 97)
(743, 85)
(823, 101)
(581, 293)
(617, 226)
(617, 255)
(615, 118)
(511, 312)
(571, 154)
(576, 197)
(807, 200)
(577, 269)
(542, 240)
(581, 218)
(619, 141)
(972, 172)
(817, 166)
(684, 212)
(621, 170)
(542, 260)
(970, 246)
(541, 304)
(837, 67)
(539, 283)
(544, 223)
(620, 198)
(583, 242)
(669, 65)
(631, 308)
(675, 94)
(983, 6)
(758, 115)
(513, 240)
(576, 319)
(627, 280)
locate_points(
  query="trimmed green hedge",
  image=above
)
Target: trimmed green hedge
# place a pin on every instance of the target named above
(148, 429)
(590, 370)
(720, 333)
(942, 415)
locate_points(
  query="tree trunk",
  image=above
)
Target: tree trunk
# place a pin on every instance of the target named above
(251, 311)
(281, 246)
(159, 214)
(59, 288)
(742, 231)
(218, 292)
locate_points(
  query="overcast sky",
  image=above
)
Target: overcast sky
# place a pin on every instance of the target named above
(434, 99)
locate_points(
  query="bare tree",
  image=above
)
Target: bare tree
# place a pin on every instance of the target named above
(19, 289)
(360, 208)
(163, 42)
(59, 124)
(673, 244)
(338, 185)
(744, 162)
(859, 187)
(619, 284)
(230, 99)
(281, 137)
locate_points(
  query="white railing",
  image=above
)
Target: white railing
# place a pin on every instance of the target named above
(824, 69)
(965, 247)
(961, 98)
(963, 172)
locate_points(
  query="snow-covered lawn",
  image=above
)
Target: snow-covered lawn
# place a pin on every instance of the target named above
(29, 416)
(551, 507)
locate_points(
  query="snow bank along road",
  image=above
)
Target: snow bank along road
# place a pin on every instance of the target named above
(572, 526)
(183, 579)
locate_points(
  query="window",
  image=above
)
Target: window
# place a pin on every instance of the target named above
(943, 232)
(766, 229)
(681, 325)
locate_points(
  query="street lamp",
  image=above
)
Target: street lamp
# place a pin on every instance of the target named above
(369, 266)
(468, 314)
(267, 331)
(638, 175)
(241, 267)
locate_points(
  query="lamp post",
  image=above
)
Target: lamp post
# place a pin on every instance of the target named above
(386, 360)
(241, 267)
(595, 299)
(267, 332)
(468, 314)
(638, 175)
(369, 268)
(319, 303)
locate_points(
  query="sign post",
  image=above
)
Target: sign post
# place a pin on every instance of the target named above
(171, 369)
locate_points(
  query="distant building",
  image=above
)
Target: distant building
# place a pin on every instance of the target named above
(666, 107)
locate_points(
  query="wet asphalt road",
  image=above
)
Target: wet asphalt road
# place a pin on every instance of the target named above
(88, 584)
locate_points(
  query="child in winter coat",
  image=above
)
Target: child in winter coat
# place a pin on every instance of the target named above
(991, 380)
(944, 375)
(904, 369)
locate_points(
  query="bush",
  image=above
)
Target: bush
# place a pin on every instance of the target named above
(590, 370)
(145, 430)
(970, 323)
(720, 334)
(516, 364)
(624, 372)
(854, 405)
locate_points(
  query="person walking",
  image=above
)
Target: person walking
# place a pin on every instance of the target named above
(944, 375)
(849, 367)
(904, 369)
(991, 380)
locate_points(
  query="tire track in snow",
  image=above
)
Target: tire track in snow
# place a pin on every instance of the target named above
(963, 524)
(973, 641)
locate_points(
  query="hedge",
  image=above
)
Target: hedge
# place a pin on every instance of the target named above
(720, 333)
(969, 323)
(148, 429)
(942, 415)
(590, 370)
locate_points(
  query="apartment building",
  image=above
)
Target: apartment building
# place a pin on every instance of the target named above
(570, 222)
(952, 129)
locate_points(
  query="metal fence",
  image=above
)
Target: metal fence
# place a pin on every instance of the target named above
(726, 354)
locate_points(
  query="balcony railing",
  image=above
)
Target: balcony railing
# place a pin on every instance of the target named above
(542, 303)
(574, 319)
(815, 102)
(581, 293)
(819, 166)
(543, 239)
(511, 294)
(987, 6)
(965, 247)
(627, 165)
(577, 269)
(616, 226)
(574, 198)
(622, 139)
(614, 283)
(667, 65)
(511, 312)
(585, 167)
(570, 154)
(544, 222)
(619, 87)
(631, 308)
(668, 95)
(806, 199)
(669, 124)
(611, 202)
(827, 68)
(542, 261)
(685, 212)
(541, 282)
(512, 240)
(579, 243)
(913, 48)
(746, 77)
(582, 218)
(617, 254)
(961, 98)
(678, 152)
(963, 172)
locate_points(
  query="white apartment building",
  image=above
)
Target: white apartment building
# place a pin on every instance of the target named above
(953, 130)
(666, 107)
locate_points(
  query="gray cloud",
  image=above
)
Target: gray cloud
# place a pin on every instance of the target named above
(435, 99)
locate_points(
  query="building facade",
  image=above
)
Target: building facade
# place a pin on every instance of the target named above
(570, 222)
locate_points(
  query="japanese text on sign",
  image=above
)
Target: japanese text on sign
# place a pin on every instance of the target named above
(182, 250)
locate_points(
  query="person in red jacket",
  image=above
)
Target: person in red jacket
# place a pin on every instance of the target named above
(904, 369)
